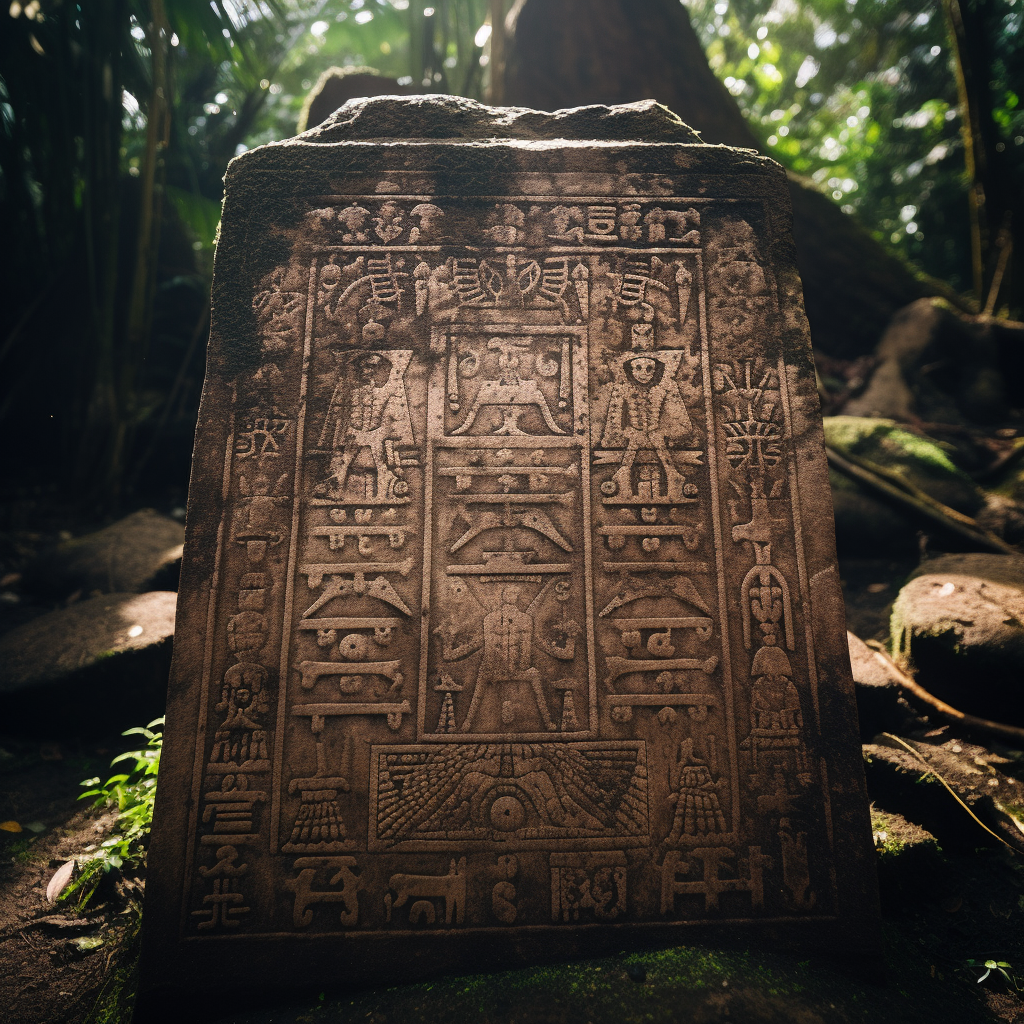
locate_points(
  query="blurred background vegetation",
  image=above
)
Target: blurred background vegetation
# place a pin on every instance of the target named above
(118, 119)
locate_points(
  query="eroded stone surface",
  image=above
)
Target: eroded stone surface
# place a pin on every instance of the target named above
(510, 617)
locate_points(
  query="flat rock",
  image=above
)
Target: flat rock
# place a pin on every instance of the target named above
(136, 554)
(102, 658)
(910, 862)
(911, 782)
(959, 621)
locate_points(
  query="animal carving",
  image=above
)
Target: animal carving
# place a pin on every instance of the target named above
(451, 887)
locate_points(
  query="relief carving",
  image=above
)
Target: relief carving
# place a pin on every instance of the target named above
(473, 563)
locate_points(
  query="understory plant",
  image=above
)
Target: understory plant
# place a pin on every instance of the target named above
(133, 793)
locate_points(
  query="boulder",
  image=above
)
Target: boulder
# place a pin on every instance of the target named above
(139, 553)
(959, 622)
(937, 363)
(919, 460)
(101, 662)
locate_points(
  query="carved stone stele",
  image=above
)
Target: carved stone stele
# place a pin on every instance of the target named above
(510, 625)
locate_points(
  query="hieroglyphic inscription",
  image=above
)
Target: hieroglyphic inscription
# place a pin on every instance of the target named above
(511, 593)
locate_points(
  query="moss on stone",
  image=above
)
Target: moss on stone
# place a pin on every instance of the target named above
(919, 460)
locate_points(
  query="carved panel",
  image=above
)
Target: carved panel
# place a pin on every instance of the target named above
(508, 621)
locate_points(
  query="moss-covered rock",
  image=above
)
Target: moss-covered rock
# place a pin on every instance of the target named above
(918, 460)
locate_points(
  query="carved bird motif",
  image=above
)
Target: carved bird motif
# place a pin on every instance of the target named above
(533, 519)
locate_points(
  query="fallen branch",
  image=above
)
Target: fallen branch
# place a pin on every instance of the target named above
(905, 494)
(1011, 733)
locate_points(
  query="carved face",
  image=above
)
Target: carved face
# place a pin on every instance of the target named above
(368, 367)
(643, 368)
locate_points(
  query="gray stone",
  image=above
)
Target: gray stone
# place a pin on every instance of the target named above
(136, 554)
(510, 619)
(100, 664)
(959, 621)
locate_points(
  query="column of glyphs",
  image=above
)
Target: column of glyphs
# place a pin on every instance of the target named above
(232, 823)
(757, 452)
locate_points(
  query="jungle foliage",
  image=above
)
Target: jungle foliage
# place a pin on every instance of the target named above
(118, 119)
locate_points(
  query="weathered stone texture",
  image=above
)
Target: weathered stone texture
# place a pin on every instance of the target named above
(510, 622)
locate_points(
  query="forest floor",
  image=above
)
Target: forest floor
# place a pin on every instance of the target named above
(61, 964)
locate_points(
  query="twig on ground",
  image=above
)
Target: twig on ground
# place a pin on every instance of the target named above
(1011, 733)
(892, 486)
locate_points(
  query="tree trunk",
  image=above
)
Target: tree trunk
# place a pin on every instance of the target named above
(567, 53)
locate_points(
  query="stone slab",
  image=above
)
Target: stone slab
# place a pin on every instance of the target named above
(510, 626)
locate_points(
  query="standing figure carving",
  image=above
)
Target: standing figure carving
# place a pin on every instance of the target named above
(507, 658)
(370, 414)
(646, 412)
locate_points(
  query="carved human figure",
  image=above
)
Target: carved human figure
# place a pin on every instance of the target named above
(370, 413)
(776, 734)
(507, 658)
(645, 410)
(241, 738)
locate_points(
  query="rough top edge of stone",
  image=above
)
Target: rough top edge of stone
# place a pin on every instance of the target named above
(465, 120)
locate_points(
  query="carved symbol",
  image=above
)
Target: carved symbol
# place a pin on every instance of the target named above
(318, 824)
(336, 536)
(241, 740)
(588, 881)
(313, 671)
(306, 896)
(645, 413)
(261, 436)
(450, 887)
(317, 713)
(624, 666)
(697, 813)
(510, 393)
(795, 872)
(503, 895)
(359, 585)
(507, 636)
(230, 809)
(223, 906)
(260, 504)
(429, 217)
(372, 415)
(712, 885)
(534, 519)
(679, 226)
(447, 793)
